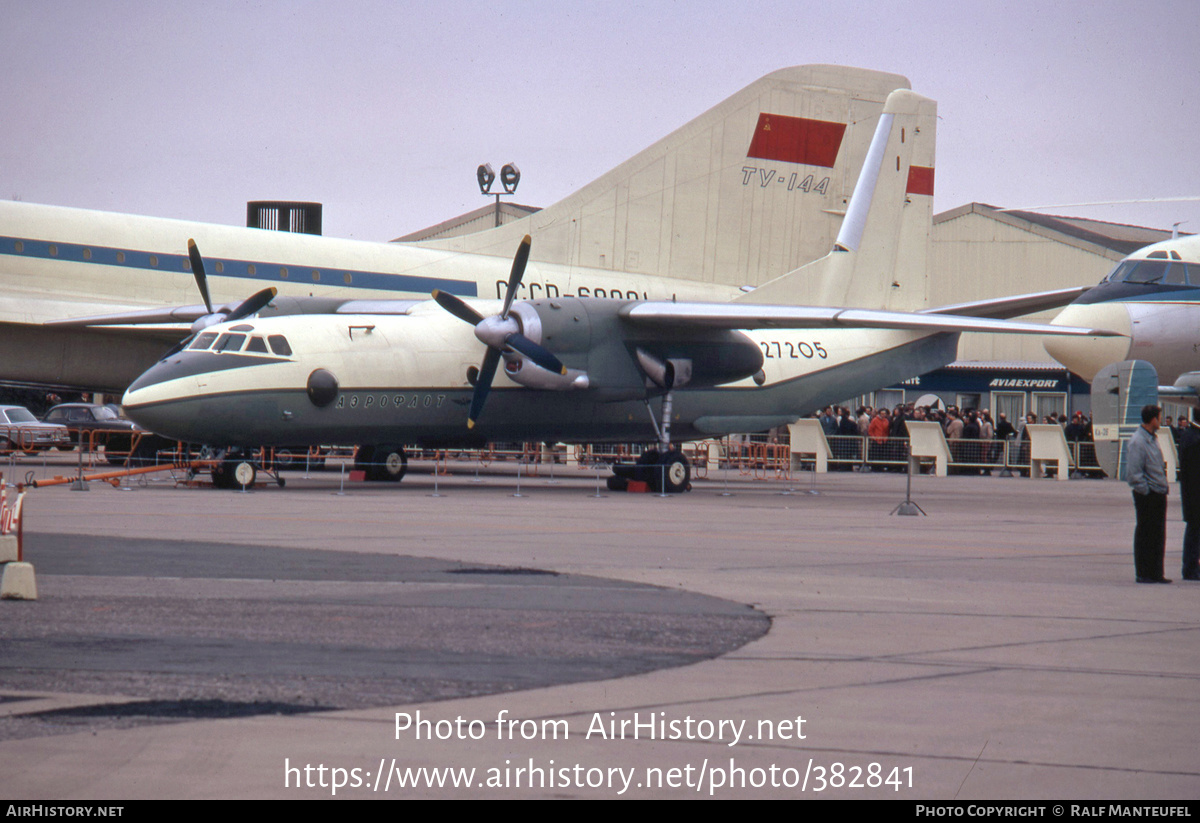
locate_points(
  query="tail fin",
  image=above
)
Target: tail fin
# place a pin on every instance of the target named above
(881, 256)
(747, 191)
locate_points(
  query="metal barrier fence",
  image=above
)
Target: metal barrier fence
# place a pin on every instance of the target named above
(965, 455)
(760, 460)
(16, 439)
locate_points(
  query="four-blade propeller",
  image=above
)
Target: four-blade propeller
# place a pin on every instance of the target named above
(500, 332)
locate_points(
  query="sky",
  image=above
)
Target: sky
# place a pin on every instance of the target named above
(383, 110)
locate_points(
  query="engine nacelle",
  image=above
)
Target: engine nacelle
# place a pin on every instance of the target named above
(520, 369)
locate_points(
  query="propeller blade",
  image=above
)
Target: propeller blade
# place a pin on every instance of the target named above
(456, 306)
(514, 277)
(483, 384)
(252, 304)
(198, 273)
(536, 353)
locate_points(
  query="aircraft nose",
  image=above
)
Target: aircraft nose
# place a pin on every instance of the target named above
(1087, 355)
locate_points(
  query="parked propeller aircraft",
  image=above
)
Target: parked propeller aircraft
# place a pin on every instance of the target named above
(585, 369)
(751, 189)
(1152, 298)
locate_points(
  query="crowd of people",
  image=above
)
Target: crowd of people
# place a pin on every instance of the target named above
(975, 438)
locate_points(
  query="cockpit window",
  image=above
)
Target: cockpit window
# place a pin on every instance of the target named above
(279, 345)
(229, 342)
(257, 344)
(203, 341)
(1149, 271)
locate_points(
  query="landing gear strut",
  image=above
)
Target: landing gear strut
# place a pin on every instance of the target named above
(665, 470)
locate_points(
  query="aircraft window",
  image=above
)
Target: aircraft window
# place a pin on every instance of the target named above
(316, 276)
(250, 269)
(1157, 255)
(19, 246)
(154, 260)
(347, 278)
(220, 267)
(203, 341)
(87, 254)
(53, 250)
(120, 257)
(279, 345)
(257, 344)
(1175, 256)
(229, 342)
(242, 327)
(1141, 271)
(283, 272)
(185, 264)
(1176, 275)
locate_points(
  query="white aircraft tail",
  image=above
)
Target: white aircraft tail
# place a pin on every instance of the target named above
(881, 256)
(751, 189)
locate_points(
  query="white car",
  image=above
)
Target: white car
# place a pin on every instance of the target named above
(21, 431)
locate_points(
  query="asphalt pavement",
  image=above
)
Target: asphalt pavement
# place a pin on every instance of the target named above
(296, 642)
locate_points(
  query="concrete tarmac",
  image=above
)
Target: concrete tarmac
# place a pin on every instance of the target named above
(996, 649)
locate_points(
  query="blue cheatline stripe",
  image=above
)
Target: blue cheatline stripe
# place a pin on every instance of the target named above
(223, 267)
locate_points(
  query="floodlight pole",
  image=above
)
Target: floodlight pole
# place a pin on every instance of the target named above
(510, 176)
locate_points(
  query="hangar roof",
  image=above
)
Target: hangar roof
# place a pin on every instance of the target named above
(1118, 237)
(473, 221)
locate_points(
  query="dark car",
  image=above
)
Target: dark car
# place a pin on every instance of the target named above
(21, 431)
(96, 425)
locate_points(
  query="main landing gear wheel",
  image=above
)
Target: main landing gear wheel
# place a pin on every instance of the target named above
(666, 471)
(385, 463)
(673, 474)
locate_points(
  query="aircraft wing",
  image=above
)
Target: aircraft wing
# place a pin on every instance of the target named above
(751, 316)
(1014, 306)
(177, 315)
(183, 316)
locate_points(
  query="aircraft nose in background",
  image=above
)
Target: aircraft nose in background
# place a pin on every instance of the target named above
(1087, 355)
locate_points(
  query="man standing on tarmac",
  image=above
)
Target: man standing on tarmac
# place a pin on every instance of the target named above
(1189, 495)
(1146, 472)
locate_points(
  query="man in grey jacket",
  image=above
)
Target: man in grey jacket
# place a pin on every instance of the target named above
(1146, 473)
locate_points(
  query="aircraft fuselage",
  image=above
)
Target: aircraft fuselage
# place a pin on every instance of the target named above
(392, 385)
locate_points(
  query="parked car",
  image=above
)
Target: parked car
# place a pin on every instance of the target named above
(97, 424)
(21, 431)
